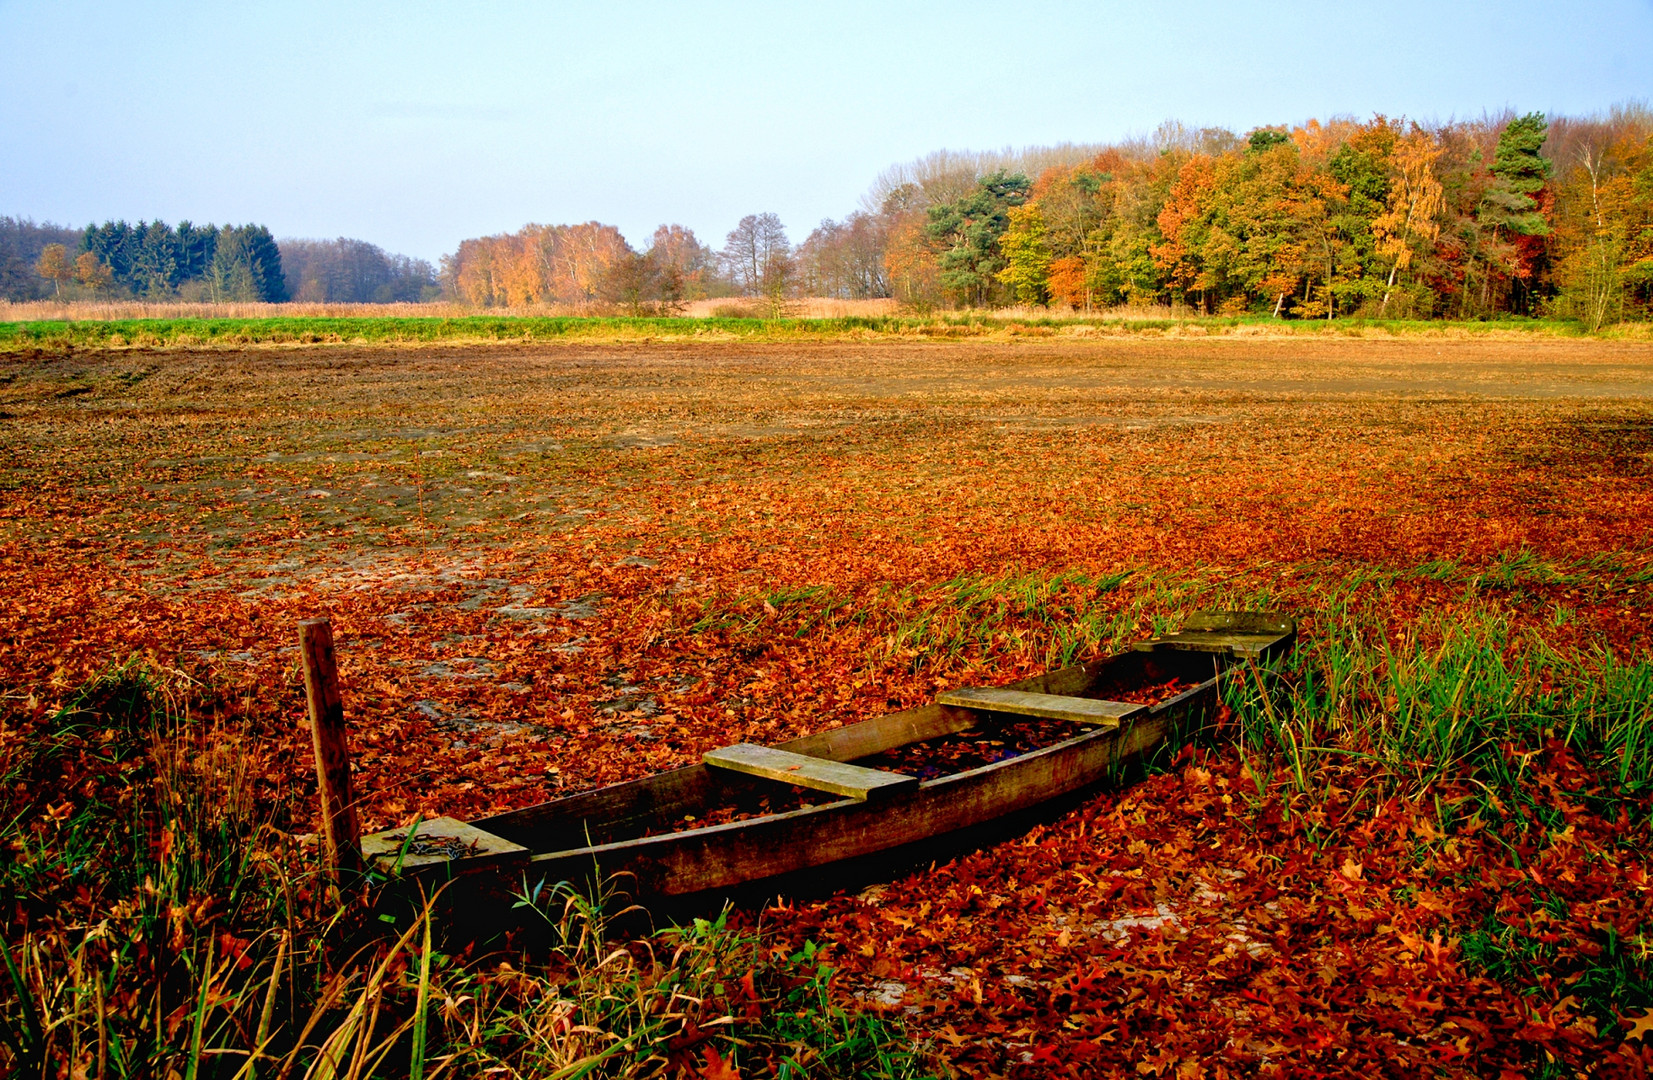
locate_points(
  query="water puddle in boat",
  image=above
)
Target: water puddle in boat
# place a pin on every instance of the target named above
(1153, 694)
(974, 747)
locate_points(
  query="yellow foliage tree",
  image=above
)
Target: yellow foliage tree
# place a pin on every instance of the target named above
(1026, 254)
(1416, 200)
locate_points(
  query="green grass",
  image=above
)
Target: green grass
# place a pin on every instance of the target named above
(1463, 696)
(1614, 983)
(194, 332)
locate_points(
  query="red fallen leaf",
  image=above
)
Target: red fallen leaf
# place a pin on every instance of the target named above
(1312, 938)
(680, 1048)
(1045, 1054)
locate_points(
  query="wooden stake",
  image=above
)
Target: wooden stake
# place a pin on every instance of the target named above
(340, 832)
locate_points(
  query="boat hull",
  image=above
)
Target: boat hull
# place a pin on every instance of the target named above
(622, 837)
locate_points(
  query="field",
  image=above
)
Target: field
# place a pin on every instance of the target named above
(1422, 850)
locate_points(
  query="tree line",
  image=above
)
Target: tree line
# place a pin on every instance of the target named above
(156, 261)
(1385, 218)
(1506, 215)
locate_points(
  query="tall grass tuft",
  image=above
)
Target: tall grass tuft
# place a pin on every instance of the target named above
(1458, 695)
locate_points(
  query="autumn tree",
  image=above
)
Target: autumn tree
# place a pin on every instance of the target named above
(1603, 219)
(631, 282)
(1378, 217)
(53, 265)
(91, 273)
(846, 258)
(1026, 255)
(685, 267)
(758, 258)
(1245, 227)
(1411, 219)
(353, 271)
(539, 264)
(21, 242)
(1361, 166)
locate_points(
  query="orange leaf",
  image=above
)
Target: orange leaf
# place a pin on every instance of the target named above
(718, 1069)
(1641, 1026)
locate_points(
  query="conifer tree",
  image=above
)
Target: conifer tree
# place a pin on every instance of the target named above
(1522, 172)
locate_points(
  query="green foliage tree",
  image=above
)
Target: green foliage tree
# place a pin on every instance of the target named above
(1521, 171)
(1265, 139)
(246, 266)
(966, 233)
(1362, 165)
(152, 259)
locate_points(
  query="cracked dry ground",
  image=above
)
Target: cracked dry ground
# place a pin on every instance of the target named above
(552, 568)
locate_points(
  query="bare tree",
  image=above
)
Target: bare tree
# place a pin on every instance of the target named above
(758, 258)
(845, 259)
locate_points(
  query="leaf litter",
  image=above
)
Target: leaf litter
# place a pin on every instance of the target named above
(1216, 918)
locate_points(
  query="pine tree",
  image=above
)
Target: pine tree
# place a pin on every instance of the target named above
(968, 230)
(1522, 172)
(246, 266)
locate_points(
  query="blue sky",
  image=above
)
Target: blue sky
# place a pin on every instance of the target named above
(415, 125)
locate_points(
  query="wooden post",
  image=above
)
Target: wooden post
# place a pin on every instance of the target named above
(340, 833)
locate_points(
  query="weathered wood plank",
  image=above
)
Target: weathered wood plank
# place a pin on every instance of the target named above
(1272, 623)
(881, 733)
(1214, 640)
(1054, 706)
(1242, 634)
(621, 811)
(818, 774)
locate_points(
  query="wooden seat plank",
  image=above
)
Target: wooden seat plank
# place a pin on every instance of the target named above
(1052, 706)
(438, 843)
(1214, 641)
(1241, 634)
(819, 774)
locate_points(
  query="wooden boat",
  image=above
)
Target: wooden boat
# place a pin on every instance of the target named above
(654, 831)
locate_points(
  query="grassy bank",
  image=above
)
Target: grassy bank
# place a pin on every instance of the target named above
(238, 332)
